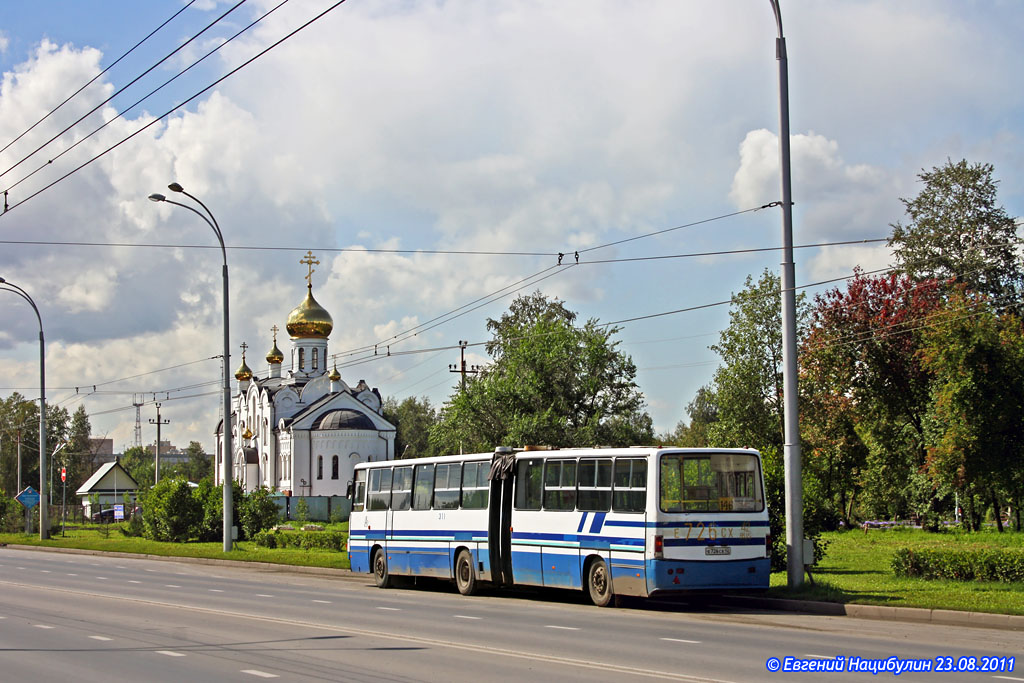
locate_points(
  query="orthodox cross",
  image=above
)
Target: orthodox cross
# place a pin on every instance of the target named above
(274, 330)
(244, 346)
(309, 261)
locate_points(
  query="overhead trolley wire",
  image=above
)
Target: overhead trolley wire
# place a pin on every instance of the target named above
(94, 78)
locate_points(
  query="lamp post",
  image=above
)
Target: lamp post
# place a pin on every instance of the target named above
(44, 513)
(226, 451)
(791, 445)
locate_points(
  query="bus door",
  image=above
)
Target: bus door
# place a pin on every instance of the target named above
(377, 515)
(499, 516)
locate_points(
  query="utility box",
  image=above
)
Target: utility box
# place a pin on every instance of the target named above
(808, 552)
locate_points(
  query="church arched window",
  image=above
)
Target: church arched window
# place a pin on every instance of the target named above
(334, 467)
(316, 359)
(319, 467)
(302, 359)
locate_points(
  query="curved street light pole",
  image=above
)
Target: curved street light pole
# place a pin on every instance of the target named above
(227, 477)
(791, 446)
(44, 513)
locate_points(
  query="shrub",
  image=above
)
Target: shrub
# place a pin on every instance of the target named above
(306, 540)
(257, 512)
(302, 510)
(172, 512)
(1006, 565)
(211, 499)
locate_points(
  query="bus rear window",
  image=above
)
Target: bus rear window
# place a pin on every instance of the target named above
(710, 482)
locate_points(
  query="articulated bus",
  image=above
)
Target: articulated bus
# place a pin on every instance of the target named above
(609, 521)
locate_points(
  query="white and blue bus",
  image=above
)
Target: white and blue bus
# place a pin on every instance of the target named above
(610, 521)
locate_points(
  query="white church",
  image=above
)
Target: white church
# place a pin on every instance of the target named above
(302, 432)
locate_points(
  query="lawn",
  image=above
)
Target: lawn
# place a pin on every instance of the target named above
(109, 538)
(857, 570)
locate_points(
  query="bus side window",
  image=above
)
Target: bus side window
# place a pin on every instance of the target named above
(380, 489)
(595, 493)
(529, 484)
(401, 490)
(630, 492)
(446, 486)
(475, 486)
(359, 492)
(560, 485)
(423, 488)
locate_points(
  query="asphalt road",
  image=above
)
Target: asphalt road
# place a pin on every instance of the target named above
(100, 618)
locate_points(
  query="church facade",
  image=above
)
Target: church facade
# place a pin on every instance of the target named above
(302, 431)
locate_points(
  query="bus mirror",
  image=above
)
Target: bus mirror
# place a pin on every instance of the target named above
(348, 491)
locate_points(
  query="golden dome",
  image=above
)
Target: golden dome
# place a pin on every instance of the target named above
(334, 376)
(309, 319)
(274, 355)
(243, 373)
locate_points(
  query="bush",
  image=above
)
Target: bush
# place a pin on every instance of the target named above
(1006, 565)
(211, 499)
(133, 528)
(306, 540)
(302, 510)
(257, 512)
(172, 512)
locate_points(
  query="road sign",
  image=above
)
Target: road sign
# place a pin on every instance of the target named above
(63, 474)
(29, 497)
(119, 511)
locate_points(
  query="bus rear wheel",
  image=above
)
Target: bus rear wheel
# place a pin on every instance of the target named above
(599, 583)
(465, 575)
(380, 569)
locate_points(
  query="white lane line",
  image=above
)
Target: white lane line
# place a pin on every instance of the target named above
(819, 656)
(1009, 678)
(44, 571)
(21, 568)
(169, 653)
(680, 640)
(323, 602)
(43, 626)
(463, 616)
(100, 638)
(216, 590)
(101, 578)
(150, 570)
(261, 674)
(72, 574)
(120, 567)
(562, 628)
(390, 609)
(171, 585)
(133, 581)
(263, 595)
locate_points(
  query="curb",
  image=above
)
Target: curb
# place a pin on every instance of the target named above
(921, 615)
(942, 617)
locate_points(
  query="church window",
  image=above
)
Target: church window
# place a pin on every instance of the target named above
(316, 355)
(302, 359)
(319, 467)
(334, 467)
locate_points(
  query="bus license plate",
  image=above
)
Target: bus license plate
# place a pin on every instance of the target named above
(717, 550)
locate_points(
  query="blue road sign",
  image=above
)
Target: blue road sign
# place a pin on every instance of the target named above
(29, 497)
(119, 512)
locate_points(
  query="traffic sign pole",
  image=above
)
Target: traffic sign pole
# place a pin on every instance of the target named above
(63, 499)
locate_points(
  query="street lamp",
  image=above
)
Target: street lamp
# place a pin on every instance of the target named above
(226, 452)
(44, 513)
(791, 444)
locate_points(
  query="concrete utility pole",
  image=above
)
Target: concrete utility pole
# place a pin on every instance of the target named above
(461, 368)
(791, 448)
(157, 422)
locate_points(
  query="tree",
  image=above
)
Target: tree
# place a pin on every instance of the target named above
(139, 463)
(19, 416)
(866, 392)
(974, 435)
(957, 232)
(413, 419)
(258, 512)
(703, 413)
(77, 455)
(171, 512)
(549, 383)
(199, 464)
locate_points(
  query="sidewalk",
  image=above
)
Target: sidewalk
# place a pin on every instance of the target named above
(943, 617)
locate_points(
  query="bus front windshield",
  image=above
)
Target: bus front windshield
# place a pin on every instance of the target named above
(710, 482)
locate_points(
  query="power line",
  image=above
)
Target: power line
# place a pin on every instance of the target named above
(94, 78)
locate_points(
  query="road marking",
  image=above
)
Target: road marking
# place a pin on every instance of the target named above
(171, 585)
(43, 626)
(1009, 678)
(463, 616)
(120, 567)
(390, 609)
(21, 568)
(72, 574)
(680, 640)
(133, 581)
(263, 595)
(101, 578)
(44, 571)
(100, 638)
(150, 570)
(216, 590)
(261, 674)
(325, 602)
(562, 628)
(819, 656)
(169, 653)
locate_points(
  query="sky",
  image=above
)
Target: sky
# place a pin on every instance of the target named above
(436, 157)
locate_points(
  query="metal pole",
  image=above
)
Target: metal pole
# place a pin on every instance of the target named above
(791, 447)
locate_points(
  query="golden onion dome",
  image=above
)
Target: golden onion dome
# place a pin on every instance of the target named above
(243, 373)
(335, 375)
(274, 355)
(309, 319)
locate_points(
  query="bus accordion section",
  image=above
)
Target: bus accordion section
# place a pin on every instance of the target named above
(623, 521)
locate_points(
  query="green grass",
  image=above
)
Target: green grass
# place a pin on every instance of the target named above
(92, 537)
(857, 569)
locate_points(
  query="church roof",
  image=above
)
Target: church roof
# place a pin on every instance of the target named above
(344, 418)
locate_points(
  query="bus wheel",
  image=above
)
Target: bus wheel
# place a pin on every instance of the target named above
(380, 569)
(599, 583)
(465, 576)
